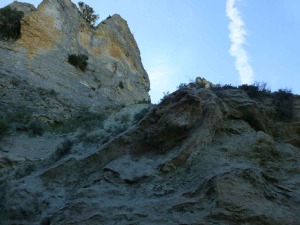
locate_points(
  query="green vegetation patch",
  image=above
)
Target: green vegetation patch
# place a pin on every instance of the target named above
(88, 13)
(3, 126)
(79, 61)
(64, 149)
(255, 90)
(84, 118)
(10, 25)
(283, 101)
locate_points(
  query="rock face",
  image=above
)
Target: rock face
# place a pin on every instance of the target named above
(34, 70)
(202, 156)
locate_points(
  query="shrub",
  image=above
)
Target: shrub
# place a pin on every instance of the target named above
(3, 127)
(283, 101)
(166, 95)
(255, 90)
(144, 101)
(64, 149)
(22, 116)
(182, 85)
(83, 118)
(10, 25)
(15, 82)
(88, 119)
(95, 138)
(125, 118)
(137, 117)
(24, 170)
(228, 86)
(216, 87)
(52, 92)
(263, 87)
(119, 130)
(88, 13)
(36, 129)
(79, 61)
(251, 90)
(121, 85)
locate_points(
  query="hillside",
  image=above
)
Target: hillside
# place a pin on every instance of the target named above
(206, 154)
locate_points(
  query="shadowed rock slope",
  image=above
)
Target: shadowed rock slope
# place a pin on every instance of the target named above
(35, 73)
(201, 156)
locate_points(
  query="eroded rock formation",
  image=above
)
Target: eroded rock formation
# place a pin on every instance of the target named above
(199, 157)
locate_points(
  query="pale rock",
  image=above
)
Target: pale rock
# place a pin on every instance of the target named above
(39, 60)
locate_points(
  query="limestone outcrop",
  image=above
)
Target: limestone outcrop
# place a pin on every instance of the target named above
(35, 73)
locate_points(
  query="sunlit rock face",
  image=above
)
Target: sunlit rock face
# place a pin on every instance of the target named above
(39, 60)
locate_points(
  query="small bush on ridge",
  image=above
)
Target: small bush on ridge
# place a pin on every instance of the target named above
(255, 90)
(88, 13)
(283, 101)
(251, 90)
(79, 61)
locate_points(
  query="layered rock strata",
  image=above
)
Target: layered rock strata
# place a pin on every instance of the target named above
(199, 157)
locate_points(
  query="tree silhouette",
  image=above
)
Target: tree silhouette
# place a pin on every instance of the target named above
(88, 13)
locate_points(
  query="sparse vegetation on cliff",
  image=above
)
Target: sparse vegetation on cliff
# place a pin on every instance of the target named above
(137, 117)
(88, 13)
(64, 149)
(10, 25)
(36, 129)
(84, 118)
(3, 127)
(121, 85)
(79, 61)
(255, 90)
(283, 101)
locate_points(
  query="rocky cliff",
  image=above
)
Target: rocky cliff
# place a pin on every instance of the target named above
(206, 154)
(35, 73)
(201, 156)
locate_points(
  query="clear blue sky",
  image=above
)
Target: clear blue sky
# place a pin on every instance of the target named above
(180, 40)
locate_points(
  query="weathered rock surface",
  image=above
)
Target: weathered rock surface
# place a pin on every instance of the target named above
(204, 155)
(196, 158)
(34, 71)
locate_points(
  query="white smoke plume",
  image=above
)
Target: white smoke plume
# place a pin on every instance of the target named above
(237, 37)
